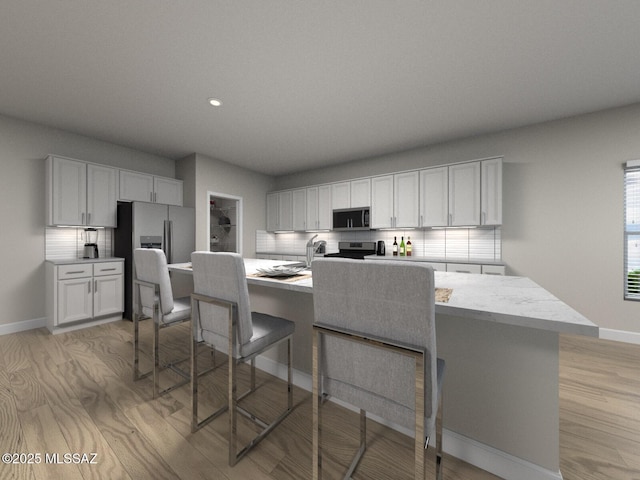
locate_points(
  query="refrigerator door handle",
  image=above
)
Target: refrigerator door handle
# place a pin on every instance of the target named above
(168, 234)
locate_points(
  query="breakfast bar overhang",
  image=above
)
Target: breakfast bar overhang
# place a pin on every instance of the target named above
(500, 338)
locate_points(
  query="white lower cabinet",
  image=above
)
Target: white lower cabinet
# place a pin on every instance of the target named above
(464, 268)
(476, 268)
(494, 270)
(83, 292)
(107, 293)
(75, 300)
(437, 267)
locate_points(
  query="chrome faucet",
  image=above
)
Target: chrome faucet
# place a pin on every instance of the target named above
(312, 248)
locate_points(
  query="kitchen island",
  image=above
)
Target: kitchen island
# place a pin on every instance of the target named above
(500, 338)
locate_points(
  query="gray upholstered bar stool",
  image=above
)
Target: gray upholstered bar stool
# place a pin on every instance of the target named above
(223, 320)
(374, 347)
(153, 297)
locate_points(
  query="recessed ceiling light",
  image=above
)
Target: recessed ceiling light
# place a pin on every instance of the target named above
(214, 102)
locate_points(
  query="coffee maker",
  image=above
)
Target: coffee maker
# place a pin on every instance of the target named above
(90, 243)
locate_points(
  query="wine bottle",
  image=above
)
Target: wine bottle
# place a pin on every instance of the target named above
(409, 246)
(395, 247)
(402, 247)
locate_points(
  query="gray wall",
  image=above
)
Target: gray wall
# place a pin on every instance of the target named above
(212, 175)
(23, 148)
(563, 203)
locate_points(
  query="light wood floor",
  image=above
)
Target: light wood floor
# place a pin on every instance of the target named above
(73, 393)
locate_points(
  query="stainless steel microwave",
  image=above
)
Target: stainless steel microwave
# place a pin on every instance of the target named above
(351, 219)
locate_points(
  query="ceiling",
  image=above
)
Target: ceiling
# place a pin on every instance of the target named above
(306, 84)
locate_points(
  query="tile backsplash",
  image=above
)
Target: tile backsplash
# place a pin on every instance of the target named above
(446, 244)
(68, 243)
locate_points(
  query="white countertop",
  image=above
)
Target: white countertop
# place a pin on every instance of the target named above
(71, 261)
(508, 300)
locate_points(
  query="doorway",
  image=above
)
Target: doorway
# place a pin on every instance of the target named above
(225, 222)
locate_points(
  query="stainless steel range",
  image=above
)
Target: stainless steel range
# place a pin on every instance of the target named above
(357, 250)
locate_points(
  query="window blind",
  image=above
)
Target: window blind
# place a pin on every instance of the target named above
(632, 231)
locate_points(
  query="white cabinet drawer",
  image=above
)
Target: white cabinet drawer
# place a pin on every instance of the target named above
(107, 268)
(437, 267)
(464, 268)
(75, 270)
(493, 269)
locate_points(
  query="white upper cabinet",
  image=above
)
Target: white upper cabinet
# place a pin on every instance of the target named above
(324, 217)
(352, 194)
(102, 198)
(319, 213)
(142, 187)
(457, 195)
(272, 212)
(382, 214)
(360, 192)
(406, 187)
(434, 197)
(491, 192)
(299, 209)
(340, 195)
(311, 204)
(394, 200)
(464, 194)
(285, 211)
(167, 191)
(80, 193)
(136, 187)
(325, 213)
(279, 211)
(68, 191)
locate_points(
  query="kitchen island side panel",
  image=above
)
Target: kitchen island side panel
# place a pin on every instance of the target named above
(294, 306)
(502, 387)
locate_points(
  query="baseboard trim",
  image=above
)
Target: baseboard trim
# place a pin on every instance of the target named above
(23, 326)
(82, 325)
(493, 460)
(471, 451)
(620, 335)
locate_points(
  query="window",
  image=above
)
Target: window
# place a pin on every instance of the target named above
(632, 231)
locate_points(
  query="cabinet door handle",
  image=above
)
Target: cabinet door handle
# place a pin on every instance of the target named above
(82, 216)
(88, 218)
(89, 286)
(483, 217)
(421, 221)
(75, 271)
(95, 286)
(107, 269)
(451, 219)
(151, 196)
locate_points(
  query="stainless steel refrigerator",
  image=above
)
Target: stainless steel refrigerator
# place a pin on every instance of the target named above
(152, 225)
